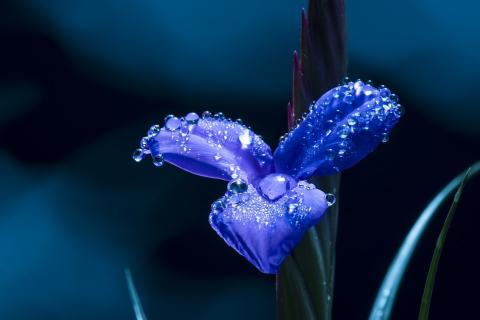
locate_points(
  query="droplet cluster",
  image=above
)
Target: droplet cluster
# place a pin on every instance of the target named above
(340, 128)
(245, 205)
(222, 136)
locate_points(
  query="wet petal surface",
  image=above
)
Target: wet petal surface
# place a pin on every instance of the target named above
(342, 127)
(266, 231)
(209, 146)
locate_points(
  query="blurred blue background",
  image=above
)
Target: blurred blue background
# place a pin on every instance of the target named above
(81, 81)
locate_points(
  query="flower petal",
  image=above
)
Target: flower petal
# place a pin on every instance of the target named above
(343, 126)
(266, 231)
(209, 146)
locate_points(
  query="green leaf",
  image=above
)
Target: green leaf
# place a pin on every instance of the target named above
(137, 306)
(387, 293)
(432, 271)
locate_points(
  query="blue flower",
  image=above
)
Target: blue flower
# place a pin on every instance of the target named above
(269, 205)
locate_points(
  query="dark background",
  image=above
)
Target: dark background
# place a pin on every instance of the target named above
(82, 80)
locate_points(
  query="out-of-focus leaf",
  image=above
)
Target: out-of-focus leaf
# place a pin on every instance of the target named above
(387, 293)
(137, 305)
(432, 271)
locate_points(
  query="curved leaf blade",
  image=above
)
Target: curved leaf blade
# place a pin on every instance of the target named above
(387, 293)
(137, 305)
(432, 271)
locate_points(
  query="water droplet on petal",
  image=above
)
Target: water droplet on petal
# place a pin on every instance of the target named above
(345, 80)
(385, 137)
(206, 115)
(245, 138)
(173, 124)
(237, 186)
(144, 143)
(158, 160)
(153, 131)
(394, 97)
(218, 206)
(137, 155)
(344, 131)
(219, 116)
(330, 198)
(329, 154)
(358, 85)
(239, 121)
(399, 111)
(385, 93)
(351, 121)
(192, 118)
(275, 185)
(348, 98)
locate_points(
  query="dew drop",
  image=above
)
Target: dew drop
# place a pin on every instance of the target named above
(237, 186)
(206, 115)
(173, 124)
(351, 121)
(329, 154)
(330, 198)
(153, 131)
(137, 155)
(345, 80)
(158, 160)
(219, 116)
(358, 85)
(239, 121)
(385, 137)
(348, 98)
(218, 206)
(344, 131)
(144, 143)
(385, 92)
(399, 110)
(245, 138)
(217, 157)
(275, 185)
(192, 118)
(292, 206)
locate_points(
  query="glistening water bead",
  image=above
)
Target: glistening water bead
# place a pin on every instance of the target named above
(218, 206)
(330, 198)
(275, 185)
(173, 123)
(137, 155)
(237, 186)
(192, 118)
(158, 160)
(153, 131)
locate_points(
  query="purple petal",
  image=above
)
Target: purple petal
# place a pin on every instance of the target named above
(266, 231)
(343, 126)
(210, 146)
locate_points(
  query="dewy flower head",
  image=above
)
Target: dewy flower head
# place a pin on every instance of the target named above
(268, 205)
